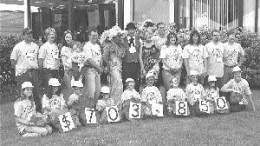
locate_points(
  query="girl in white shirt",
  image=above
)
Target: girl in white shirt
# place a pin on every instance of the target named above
(171, 55)
(25, 115)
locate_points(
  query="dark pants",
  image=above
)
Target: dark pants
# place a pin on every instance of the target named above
(33, 77)
(47, 74)
(131, 70)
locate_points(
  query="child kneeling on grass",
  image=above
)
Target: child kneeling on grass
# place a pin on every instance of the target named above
(129, 95)
(239, 92)
(101, 105)
(175, 94)
(212, 93)
(194, 92)
(150, 94)
(53, 103)
(74, 104)
(29, 123)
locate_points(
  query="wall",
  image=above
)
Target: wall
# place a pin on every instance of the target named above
(157, 10)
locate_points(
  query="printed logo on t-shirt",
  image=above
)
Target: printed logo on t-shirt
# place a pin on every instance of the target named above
(31, 55)
(55, 53)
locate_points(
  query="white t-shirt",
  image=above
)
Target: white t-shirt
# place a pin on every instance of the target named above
(195, 56)
(150, 94)
(56, 102)
(50, 55)
(241, 86)
(194, 93)
(25, 56)
(231, 53)
(93, 51)
(24, 109)
(67, 52)
(176, 94)
(215, 59)
(129, 94)
(173, 56)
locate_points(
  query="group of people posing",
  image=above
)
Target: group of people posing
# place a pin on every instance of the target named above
(138, 67)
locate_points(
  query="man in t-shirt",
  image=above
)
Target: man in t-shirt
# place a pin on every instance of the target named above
(131, 62)
(94, 66)
(232, 53)
(24, 60)
(215, 51)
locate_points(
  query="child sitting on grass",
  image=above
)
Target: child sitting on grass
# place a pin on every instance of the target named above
(106, 101)
(25, 110)
(74, 104)
(194, 92)
(174, 94)
(212, 92)
(239, 92)
(130, 92)
(150, 94)
(53, 103)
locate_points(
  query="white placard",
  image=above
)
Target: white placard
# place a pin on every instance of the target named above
(135, 110)
(132, 49)
(181, 108)
(204, 106)
(112, 114)
(66, 122)
(221, 103)
(90, 116)
(157, 110)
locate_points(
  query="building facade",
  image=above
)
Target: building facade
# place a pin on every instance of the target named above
(223, 14)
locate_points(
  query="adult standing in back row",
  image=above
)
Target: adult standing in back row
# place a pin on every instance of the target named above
(131, 61)
(93, 66)
(215, 51)
(24, 60)
(49, 57)
(232, 53)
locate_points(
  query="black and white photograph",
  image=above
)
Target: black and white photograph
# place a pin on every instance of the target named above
(130, 72)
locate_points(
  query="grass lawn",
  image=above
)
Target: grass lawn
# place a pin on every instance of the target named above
(234, 129)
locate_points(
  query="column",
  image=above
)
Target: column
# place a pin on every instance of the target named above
(70, 14)
(171, 8)
(127, 11)
(26, 13)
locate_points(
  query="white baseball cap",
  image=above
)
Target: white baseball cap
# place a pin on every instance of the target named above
(77, 84)
(105, 89)
(212, 79)
(236, 69)
(27, 85)
(194, 73)
(129, 80)
(149, 74)
(54, 82)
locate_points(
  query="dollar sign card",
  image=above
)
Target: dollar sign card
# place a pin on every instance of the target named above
(66, 122)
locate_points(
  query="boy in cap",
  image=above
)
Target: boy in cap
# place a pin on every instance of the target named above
(130, 92)
(239, 92)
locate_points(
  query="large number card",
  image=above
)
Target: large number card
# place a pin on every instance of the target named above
(135, 110)
(112, 114)
(90, 116)
(204, 106)
(157, 110)
(181, 108)
(221, 103)
(66, 122)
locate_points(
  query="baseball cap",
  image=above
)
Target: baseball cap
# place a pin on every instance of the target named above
(129, 80)
(77, 84)
(236, 69)
(27, 85)
(54, 82)
(27, 30)
(105, 89)
(194, 73)
(212, 79)
(149, 74)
